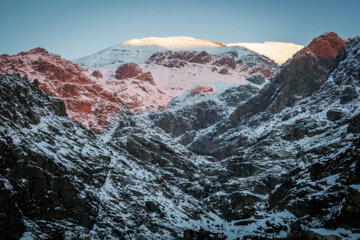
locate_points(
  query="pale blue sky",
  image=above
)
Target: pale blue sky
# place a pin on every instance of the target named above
(76, 28)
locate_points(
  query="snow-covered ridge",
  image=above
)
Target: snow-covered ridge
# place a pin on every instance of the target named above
(139, 50)
(173, 42)
(280, 52)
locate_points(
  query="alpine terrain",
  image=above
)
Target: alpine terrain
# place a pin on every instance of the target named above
(182, 138)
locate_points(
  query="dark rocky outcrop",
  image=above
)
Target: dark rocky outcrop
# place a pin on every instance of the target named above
(97, 74)
(257, 79)
(34, 185)
(301, 75)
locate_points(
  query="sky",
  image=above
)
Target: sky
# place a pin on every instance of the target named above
(77, 28)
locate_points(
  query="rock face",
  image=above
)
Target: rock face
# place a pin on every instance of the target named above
(33, 182)
(257, 79)
(90, 97)
(202, 90)
(225, 61)
(300, 130)
(278, 162)
(302, 75)
(132, 70)
(326, 45)
(97, 74)
(128, 70)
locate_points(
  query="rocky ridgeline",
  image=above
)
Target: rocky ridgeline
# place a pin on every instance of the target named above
(287, 124)
(281, 162)
(95, 97)
(90, 97)
(221, 64)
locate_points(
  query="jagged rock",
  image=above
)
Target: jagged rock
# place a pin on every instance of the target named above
(147, 77)
(326, 45)
(202, 90)
(257, 79)
(347, 95)
(318, 236)
(128, 70)
(97, 74)
(202, 57)
(354, 126)
(226, 61)
(152, 207)
(35, 182)
(202, 234)
(223, 71)
(302, 75)
(334, 115)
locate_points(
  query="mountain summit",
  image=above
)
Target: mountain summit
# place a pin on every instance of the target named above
(144, 47)
(174, 42)
(277, 51)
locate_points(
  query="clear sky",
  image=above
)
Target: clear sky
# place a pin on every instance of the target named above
(77, 28)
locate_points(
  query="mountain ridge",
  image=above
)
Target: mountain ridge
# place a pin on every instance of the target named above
(274, 158)
(281, 52)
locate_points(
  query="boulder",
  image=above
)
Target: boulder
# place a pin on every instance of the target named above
(334, 115)
(202, 90)
(256, 79)
(97, 74)
(347, 95)
(128, 70)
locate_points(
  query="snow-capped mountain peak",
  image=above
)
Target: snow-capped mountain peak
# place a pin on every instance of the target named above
(180, 42)
(139, 50)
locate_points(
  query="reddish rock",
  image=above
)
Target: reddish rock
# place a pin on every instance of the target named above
(65, 80)
(202, 58)
(326, 45)
(132, 70)
(202, 90)
(85, 107)
(180, 58)
(146, 77)
(264, 70)
(267, 72)
(91, 102)
(226, 61)
(37, 50)
(128, 70)
(97, 74)
(78, 106)
(223, 71)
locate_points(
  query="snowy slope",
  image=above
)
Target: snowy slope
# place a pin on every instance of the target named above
(280, 52)
(113, 56)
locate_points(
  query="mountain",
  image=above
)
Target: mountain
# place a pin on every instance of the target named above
(91, 97)
(274, 157)
(94, 97)
(139, 50)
